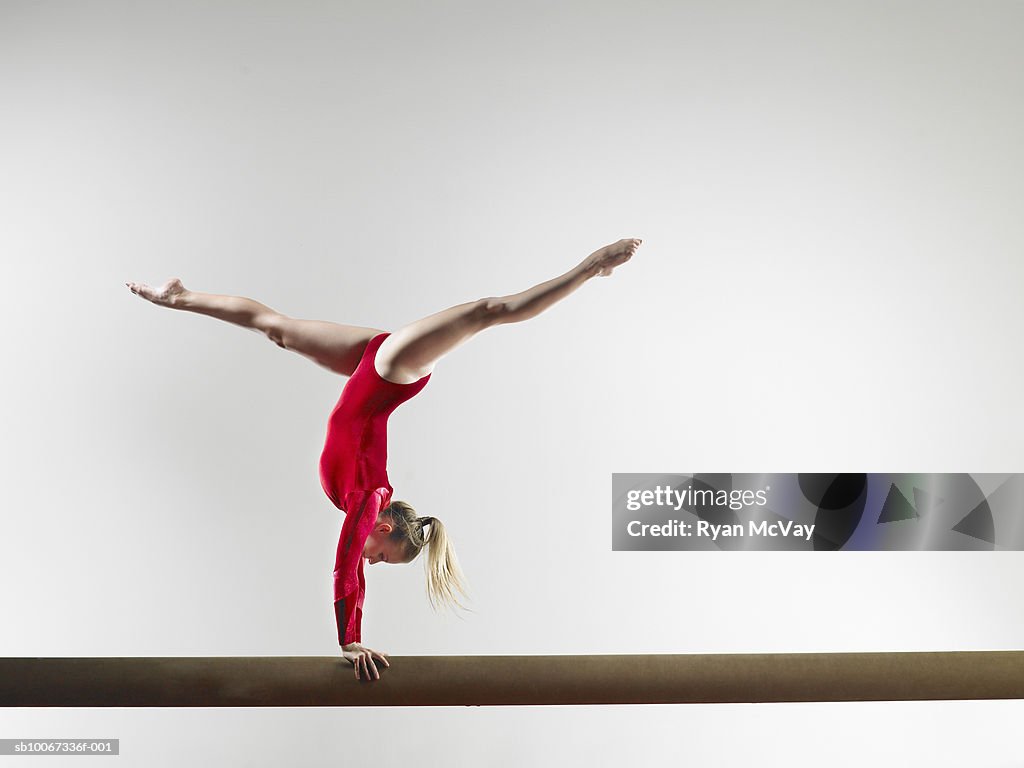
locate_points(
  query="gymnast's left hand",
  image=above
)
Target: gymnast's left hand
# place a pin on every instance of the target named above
(362, 659)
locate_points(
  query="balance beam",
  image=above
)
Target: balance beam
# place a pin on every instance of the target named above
(441, 681)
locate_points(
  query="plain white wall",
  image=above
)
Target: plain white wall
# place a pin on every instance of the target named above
(829, 197)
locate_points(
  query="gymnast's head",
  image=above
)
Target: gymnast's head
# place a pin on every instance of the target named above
(399, 536)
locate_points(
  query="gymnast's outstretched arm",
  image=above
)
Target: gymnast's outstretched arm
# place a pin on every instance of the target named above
(411, 352)
(362, 510)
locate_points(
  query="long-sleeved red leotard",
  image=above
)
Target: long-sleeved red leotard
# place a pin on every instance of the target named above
(353, 473)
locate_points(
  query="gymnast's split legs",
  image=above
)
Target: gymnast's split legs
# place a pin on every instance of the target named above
(409, 353)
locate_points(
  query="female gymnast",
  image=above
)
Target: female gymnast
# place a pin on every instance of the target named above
(385, 370)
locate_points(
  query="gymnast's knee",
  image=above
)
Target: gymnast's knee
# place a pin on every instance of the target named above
(271, 326)
(491, 310)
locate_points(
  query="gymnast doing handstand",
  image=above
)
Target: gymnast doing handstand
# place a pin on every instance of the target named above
(384, 370)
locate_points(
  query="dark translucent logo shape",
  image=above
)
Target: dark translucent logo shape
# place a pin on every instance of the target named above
(897, 507)
(840, 499)
(978, 524)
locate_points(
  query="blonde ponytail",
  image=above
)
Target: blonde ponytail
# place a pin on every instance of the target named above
(444, 577)
(445, 581)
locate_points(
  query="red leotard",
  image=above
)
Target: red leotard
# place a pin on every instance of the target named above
(353, 473)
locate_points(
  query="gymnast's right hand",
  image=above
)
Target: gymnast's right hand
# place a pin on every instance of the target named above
(362, 659)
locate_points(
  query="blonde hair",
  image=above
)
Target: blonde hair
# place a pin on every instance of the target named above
(444, 577)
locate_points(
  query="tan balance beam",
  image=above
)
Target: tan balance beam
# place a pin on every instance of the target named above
(282, 681)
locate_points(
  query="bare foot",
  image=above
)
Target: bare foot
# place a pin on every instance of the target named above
(167, 295)
(604, 260)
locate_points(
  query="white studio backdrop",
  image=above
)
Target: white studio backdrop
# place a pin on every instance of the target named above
(829, 197)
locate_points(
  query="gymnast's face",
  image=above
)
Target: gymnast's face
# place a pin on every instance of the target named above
(380, 548)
